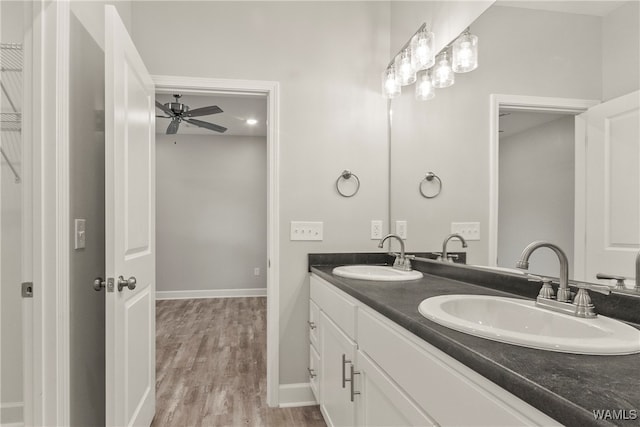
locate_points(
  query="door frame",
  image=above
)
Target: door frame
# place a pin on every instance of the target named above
(271, 89)
(46, 194)
(534, 104)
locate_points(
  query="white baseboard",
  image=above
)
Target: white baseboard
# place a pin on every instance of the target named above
(299, 394)
(212, 293)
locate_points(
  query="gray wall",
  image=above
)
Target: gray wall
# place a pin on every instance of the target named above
(211, 212)
(11, 366)
(87, 193)
(328, 57)
(537, 186)
(621, 51)
(521, 51)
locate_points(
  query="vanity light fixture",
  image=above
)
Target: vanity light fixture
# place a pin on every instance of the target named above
(251, 122)
(465, 52)
(424, 87)
(418, 54)
(442, 74)
(404, 68)
(422, 52)
(390, 84)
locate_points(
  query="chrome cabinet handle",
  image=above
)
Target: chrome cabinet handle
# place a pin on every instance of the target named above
(129, 283)
(312, 325)
(344, 370)
(99, 284)
(353, 392)
(312, 373)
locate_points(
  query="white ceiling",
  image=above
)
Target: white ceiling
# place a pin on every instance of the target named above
(596, 8)
(514, 122)
(236, 110)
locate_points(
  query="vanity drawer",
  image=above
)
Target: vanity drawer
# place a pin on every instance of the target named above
(314, 321)
(339, 307)
(314, 371)
(432, 378)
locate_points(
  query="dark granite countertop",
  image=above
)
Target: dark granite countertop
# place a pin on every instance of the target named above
(567, 387)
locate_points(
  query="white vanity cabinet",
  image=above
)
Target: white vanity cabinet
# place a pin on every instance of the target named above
(381, 402)
(337, 356)
(398, 378)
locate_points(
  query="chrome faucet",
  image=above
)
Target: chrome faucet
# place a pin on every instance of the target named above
(564, 294)
(581, 306)
(402, 262)
(446, 240)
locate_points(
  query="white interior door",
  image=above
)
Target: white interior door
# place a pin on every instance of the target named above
(130, 230)
(612, 187)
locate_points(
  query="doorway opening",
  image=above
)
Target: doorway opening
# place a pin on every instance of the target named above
(14, 90)
(536, 186)
(221, 189)
(533, 143)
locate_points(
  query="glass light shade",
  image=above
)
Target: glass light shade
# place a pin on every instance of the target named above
(442, 75)
(465, 53)
(424, 87)
(422, 52)
(390, 84)
(404, 68)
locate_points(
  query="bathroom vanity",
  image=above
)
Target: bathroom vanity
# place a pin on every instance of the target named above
(375, 360)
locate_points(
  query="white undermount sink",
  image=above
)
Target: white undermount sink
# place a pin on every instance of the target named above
(376, 272)
(520, 322)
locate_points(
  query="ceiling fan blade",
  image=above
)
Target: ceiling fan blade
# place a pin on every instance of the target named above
(204, 111)
(206, 125)
(164, 117)
(165, 109)
(173, 127)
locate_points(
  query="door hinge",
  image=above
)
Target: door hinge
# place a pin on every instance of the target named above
(27, 289)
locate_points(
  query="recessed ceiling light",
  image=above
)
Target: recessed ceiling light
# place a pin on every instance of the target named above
(252, 122)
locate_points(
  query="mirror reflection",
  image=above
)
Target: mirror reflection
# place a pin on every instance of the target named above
(508, 142)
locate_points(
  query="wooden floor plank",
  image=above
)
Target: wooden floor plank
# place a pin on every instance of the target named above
(211, 366)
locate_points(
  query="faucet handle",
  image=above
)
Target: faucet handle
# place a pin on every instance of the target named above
(535, 278)
(546, 291)
(603, 289)
(619, 279)
(584, 306)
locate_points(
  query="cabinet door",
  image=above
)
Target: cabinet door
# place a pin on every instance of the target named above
(381, 402)
(335, 393)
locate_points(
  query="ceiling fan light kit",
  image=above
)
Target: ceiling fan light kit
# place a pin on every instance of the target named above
(179, 112)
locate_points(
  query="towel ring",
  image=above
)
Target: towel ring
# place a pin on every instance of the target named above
(430, 176)
(347, 175)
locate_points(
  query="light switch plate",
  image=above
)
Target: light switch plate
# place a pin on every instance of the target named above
(80, 233)
(376, 229)
(306, 230)
(401, 229)
(468, 230)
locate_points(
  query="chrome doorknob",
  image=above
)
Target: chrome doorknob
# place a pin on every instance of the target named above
(99, 283)
(129, 283)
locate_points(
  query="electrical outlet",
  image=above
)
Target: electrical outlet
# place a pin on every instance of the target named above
(305, 230)
(468, 230)
(376, 229)
(401, 229)
(80, 234)
(256, 271)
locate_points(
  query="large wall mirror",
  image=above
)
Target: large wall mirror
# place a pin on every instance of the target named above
(503, 140)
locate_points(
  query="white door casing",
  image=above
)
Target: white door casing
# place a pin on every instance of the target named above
(608, 189)
(130, 229)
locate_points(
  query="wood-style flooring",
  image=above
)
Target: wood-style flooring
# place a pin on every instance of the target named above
(211, 366)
